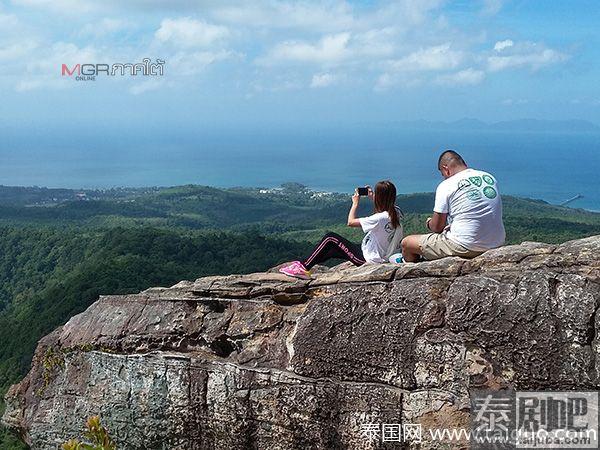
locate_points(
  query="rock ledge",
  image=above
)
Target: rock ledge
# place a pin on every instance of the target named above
(261, 360)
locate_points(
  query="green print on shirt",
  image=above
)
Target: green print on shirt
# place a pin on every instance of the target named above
(489, 180)
(476, 181)
(473, 194)
(489, 192)
(463, 184)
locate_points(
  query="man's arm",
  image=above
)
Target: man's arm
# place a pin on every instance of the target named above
(437, 223)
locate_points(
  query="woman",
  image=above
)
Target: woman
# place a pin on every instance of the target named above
(383, 235)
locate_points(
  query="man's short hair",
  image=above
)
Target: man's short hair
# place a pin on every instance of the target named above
(450, 158)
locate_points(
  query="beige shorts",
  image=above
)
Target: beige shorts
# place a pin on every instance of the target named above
(437, 245)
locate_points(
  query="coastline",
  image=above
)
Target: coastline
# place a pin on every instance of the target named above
(61, 194)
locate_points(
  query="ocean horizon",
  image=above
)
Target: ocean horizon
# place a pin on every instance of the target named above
(553, 167)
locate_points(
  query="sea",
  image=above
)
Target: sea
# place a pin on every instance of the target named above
(551, 166)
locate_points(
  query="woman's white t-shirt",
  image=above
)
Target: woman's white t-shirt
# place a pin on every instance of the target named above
(380, 233)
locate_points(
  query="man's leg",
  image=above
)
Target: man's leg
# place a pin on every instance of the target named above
(437, 245)
(411, 247)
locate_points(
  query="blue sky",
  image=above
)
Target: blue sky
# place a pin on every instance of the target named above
(298, 64)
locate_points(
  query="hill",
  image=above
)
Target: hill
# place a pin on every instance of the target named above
(288, 209)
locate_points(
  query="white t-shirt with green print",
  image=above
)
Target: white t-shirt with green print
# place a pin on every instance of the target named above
(472, 201)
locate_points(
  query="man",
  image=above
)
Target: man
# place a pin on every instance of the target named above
(467, 216)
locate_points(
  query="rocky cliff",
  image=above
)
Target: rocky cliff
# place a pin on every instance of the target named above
(263, 361)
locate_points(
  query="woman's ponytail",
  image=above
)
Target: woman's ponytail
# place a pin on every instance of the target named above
(385, 200)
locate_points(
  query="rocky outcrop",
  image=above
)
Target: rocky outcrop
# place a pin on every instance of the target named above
(263, 361)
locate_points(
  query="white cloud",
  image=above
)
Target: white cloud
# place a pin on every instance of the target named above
(330, 49)
(405, 13)
(146, 86)
(78, 7)
(530, 55)
(8, 22)
(307, 43)
(405, 80)
(278, 84)
(29, 85)
(377, 42)
(16, 50)
(501, 45)
(323, 16)
(492, 7)
(192, 63)
(187, 32)
(320, 80)
(320, 16)
(190, 46)
(17, 45)
(439, 57)
(105, 27)
(334, 49)
(462, 77)
(63, 7)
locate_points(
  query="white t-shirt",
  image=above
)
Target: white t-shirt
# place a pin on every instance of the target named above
(379, 235)
(472, 201)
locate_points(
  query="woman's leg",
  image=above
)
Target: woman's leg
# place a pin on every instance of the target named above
(335, 246)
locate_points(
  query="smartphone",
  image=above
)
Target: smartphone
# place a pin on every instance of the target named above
(363, 191)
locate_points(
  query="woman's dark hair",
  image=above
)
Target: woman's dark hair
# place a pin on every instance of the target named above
(385, 200)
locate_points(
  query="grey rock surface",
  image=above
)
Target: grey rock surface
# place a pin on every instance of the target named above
(265, 361)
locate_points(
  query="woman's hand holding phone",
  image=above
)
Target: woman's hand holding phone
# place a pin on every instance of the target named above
(355, 197)
(362, 192)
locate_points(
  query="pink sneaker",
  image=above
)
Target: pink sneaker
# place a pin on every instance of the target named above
(296, 270)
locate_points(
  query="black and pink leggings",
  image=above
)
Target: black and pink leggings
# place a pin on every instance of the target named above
(335, 246)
